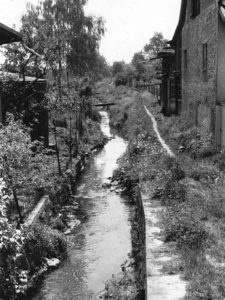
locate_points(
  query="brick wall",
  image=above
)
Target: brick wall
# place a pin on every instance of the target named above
(199, 86)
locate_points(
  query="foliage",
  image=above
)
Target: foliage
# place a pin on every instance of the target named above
(183, 226)
(174, 193)
(40, 243)
(198, 145)
(155, 45)
(139, 63)
(208, 281)
(22, 253)
(141, 68)
(63, 36)
(15, 157)
(172, 164)
(118, 67)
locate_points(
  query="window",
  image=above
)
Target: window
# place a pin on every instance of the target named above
(185, 59)
(204, 57)
(195, 8)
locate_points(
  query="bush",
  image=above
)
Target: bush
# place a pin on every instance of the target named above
(173, 165)
(183, 226)
(42, 242)
(198, 145)
(219, 160)
(174, 193)
(208, 282)
(204, 172)
(120, 79)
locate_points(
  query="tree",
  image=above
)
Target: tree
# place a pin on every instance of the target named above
(67, 42)
(118, 67)
(155, 45)
(139, 62)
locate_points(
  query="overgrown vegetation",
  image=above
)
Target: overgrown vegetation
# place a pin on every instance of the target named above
(190, 187)
(57, 109)
(143, 67)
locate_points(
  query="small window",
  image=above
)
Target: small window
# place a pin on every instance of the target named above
(185, 59)
(204, 57)
(195, 8)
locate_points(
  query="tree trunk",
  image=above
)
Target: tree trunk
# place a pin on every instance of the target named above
(17, 207)
(57, 150)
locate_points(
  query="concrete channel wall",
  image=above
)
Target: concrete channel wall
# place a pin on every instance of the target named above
(159, 285)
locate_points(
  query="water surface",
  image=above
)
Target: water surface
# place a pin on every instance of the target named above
(102, 242)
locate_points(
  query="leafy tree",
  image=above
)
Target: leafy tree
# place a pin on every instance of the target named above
(118, 67)
(139, 62)
(64, 37)
(67, 42)
(145, 68)
(155, 45)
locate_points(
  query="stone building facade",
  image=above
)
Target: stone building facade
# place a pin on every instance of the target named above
(201, 31)
(199, 63)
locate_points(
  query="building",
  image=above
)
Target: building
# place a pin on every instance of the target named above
(171, 58)
(193, 78)
(8, 35)
(23, 95)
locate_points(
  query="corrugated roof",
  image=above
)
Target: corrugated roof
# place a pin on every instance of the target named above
(8, 35)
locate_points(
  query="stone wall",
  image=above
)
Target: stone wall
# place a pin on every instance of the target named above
(199, 86)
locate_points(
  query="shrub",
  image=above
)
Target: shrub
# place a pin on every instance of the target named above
(120, 79)
(198, 145)
(183, 226)
(173, 165)
(174, 193)
(219, 160)
(42, 242)
(204, 173)
(208, 283)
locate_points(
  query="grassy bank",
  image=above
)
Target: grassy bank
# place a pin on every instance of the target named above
(190, 187)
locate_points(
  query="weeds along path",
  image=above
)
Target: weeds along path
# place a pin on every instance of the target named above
(160, 139)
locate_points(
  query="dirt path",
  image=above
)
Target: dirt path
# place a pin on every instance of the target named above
(160, 139)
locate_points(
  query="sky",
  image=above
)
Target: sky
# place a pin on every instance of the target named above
(130, 23)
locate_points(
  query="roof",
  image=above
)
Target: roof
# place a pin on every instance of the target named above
(221, 4)
(8, 35)
(166, 53)
(222, 9)
(5, 76)
(180, 22)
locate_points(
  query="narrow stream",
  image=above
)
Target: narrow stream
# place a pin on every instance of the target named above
(102, 243)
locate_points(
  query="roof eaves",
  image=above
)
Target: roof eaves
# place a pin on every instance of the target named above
(180, 22)
(222, 10)
(8, 35)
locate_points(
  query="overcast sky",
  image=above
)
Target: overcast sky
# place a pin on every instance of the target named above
(130, 23)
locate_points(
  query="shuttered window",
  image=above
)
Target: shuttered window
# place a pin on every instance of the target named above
(185, 59)
(204, 57)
